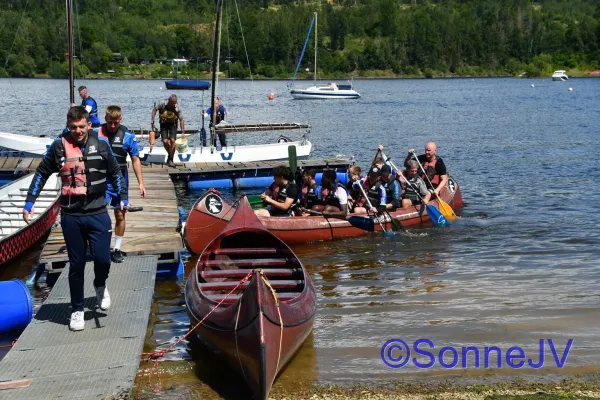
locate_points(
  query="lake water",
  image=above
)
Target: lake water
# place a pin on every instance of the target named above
(520, 266)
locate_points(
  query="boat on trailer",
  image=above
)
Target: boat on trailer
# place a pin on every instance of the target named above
(255, 299)
(211, 213)
(16, 236)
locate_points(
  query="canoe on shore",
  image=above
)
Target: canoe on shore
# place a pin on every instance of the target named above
(256, 298)
(211, 212)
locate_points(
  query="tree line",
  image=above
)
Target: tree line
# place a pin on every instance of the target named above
(355, 37)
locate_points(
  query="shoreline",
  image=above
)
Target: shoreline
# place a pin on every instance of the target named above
(308, 79)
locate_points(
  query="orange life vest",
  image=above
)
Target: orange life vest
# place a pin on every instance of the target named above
(82, 173)
(429, 168)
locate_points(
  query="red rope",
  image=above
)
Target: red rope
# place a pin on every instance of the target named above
(8, 346)
(155, 355)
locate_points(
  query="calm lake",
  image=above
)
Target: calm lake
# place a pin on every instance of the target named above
(520, 266)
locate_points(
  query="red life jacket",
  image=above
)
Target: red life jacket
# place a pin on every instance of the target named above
(82, 173)
(429, 168)
(116, 143)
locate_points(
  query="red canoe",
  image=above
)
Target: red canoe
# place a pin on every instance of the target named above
(211, 213)
(15, 235)
(259, 327)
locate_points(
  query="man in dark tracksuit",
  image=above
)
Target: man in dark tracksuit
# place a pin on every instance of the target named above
(83, 162)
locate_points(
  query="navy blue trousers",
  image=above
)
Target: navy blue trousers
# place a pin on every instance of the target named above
(80, 231)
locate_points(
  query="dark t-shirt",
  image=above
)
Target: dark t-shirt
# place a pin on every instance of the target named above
(440, 167)
(291, 192)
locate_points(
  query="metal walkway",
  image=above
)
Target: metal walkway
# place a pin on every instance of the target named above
(98, 362)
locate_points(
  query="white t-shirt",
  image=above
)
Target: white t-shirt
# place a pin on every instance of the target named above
(341, 195)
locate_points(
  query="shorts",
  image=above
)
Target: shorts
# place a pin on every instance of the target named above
(168, 131)
(113, 198)
(279, 213)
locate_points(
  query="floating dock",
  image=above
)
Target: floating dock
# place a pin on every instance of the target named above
(51, 362)
(153, 231)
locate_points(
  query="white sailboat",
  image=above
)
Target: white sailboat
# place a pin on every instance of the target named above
(331, 90)
(36, 146)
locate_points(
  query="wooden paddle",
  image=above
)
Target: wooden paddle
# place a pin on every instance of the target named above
(16, 384)
(445, 208)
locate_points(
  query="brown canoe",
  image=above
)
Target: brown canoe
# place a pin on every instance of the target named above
(211, 213)
(258, 328)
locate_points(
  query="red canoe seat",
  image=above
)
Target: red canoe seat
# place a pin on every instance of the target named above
(291, 284)
(232, 298)
(250, 262)
(240, 273)
(243, 250)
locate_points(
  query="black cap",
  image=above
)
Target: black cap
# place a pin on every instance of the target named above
(375, 171)
(386, 170)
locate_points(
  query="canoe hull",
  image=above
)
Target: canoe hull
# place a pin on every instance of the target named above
(254, 318)
(18, 241)
(204, 223)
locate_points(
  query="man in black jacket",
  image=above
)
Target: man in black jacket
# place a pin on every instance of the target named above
(83, 162)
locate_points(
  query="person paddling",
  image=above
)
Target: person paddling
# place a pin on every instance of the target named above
(84, 162)
(435, 174)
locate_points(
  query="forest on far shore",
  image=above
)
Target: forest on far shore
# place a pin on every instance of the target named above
(360, 38)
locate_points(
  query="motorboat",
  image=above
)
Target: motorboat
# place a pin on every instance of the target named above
(560, 75)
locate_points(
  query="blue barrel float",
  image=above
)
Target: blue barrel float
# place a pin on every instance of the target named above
(16, 307)
(248, 182)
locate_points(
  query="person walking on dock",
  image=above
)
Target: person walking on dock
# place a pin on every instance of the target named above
(169, 113)
(122, 142)
(84, 162)
(90, 106)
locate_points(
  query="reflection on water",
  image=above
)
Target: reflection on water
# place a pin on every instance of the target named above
(521, 265)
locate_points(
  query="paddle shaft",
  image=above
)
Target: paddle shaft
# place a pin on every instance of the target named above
(369, 203)
(403, 177)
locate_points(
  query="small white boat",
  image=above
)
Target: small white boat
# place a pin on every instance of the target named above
(15, 235)
(560, 75)
(278, 150)
(331, 91)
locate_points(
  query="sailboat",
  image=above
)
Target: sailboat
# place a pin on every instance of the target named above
(36, 146)
(329, 91)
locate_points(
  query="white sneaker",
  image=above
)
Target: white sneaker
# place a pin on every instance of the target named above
(77, 322)
(102, 298)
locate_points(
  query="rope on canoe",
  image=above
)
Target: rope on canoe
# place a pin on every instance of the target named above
(155, 355)
(8, 346)
(266, 280)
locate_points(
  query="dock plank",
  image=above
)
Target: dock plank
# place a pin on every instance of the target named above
(98, 362)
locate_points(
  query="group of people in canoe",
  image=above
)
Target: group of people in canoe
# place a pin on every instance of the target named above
(385, 188)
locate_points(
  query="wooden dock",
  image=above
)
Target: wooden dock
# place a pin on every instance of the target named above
(155, 230)
(185, 170)
(51, 362)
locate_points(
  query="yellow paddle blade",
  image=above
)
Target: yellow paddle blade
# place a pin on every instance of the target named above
(446, 210)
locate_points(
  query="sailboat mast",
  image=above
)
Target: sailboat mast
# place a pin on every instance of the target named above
(215, 71)
(70, 37)
(315, 72)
